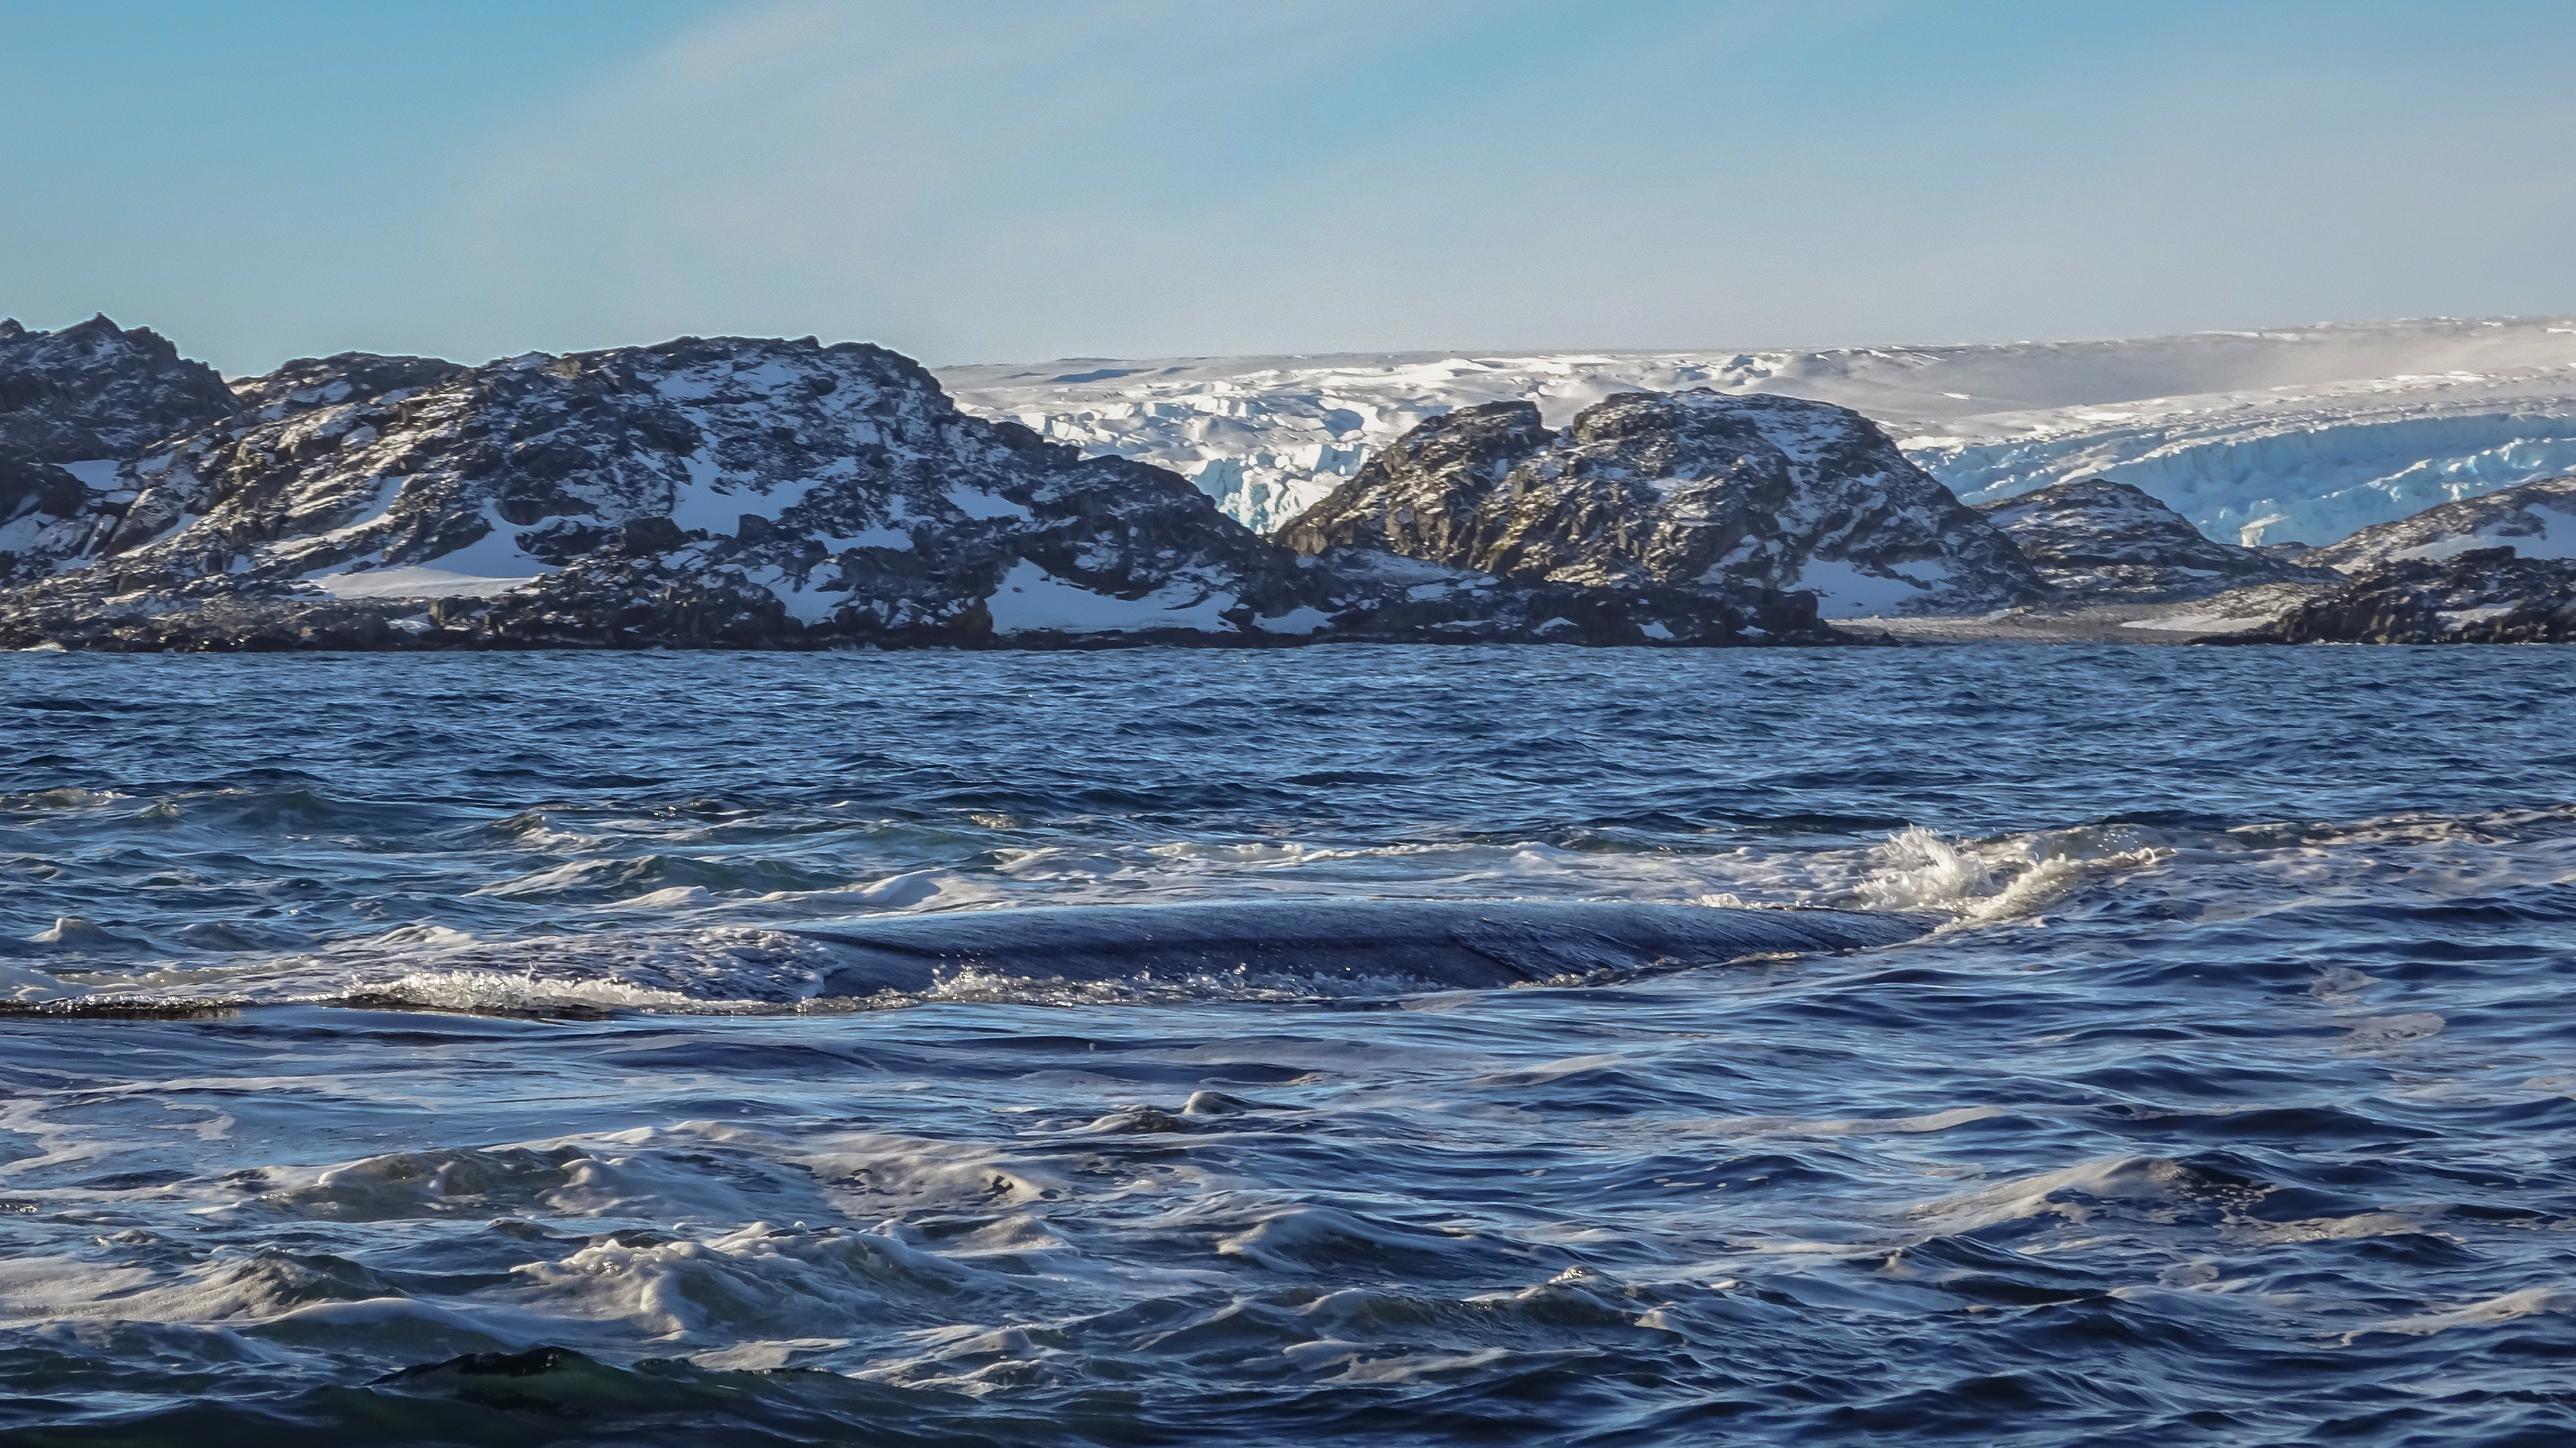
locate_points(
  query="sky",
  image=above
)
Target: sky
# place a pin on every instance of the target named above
(1007, 180)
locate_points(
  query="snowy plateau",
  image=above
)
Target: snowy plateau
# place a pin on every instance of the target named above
(2298, 434)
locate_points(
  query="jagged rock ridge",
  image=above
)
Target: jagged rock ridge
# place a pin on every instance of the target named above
(1679, 492)
(73, 403)
(2097, 541)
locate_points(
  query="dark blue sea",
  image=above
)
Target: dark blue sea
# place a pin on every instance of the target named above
(472, 1087)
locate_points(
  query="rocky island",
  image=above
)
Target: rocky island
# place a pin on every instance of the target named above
(758, 493)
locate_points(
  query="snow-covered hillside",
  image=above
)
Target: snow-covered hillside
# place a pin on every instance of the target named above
(732, 492)
(1686, 491)
(2302, 433)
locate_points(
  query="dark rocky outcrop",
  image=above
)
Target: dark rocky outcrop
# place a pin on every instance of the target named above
(2439, 577)
(2535, 519)
(2498, 568)
(2485, 596)
(2096, 541)
(73, 404)
(724, 492)
(1692, 494)
(727, 491)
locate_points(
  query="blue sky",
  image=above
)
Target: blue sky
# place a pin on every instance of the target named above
(994, 180)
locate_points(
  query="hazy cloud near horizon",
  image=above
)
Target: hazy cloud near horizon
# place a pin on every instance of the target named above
(1015, 179)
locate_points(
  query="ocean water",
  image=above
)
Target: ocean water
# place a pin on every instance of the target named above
(473, 1089)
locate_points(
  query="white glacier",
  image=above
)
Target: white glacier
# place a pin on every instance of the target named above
(2303, 433)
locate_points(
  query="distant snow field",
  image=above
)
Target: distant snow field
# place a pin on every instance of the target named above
(2300, 433)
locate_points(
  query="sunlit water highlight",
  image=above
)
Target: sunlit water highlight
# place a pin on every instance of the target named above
(2236, 1104)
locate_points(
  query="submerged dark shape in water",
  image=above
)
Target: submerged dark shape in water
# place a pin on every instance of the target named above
(1452, 944)
(2245, 1118)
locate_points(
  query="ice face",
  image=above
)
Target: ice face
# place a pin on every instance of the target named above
(2305, 433)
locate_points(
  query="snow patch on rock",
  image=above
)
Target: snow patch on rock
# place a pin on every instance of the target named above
(806, 606)
(1845, 590)
(414, 583)
(1032, 600)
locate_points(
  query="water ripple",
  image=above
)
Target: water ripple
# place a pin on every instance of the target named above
(2235, 1105)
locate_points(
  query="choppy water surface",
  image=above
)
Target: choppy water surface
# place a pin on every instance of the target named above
(2237, 1106)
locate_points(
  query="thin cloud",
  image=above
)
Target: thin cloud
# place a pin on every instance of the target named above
(1019, 179)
